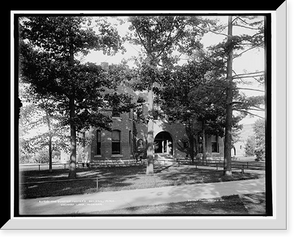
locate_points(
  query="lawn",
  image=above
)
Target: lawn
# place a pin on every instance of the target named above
(35, 184)
(248, 204)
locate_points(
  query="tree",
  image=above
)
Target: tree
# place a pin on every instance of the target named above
(233, 47)
(194, 95)
(49, 48)
(195, 98)
(260, 141)
(160, 36)
(229, 99)
(250, 146)
(40, 128)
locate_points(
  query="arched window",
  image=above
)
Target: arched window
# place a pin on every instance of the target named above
(116, 142)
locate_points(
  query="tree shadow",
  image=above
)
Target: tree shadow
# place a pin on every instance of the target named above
(226, 205)
(202, 199)
(35, 184)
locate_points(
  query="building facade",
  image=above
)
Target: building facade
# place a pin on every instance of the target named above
(128, 140)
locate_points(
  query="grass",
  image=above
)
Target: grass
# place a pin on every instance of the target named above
(36, 184)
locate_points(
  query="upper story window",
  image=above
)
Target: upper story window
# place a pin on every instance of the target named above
(116, 142)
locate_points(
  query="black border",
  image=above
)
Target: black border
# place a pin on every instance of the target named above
(268, 172)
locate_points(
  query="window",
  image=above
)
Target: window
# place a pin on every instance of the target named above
(116, 142)
(98, 152)
(214, 144)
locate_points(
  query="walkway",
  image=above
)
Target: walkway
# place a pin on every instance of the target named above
(101, 201)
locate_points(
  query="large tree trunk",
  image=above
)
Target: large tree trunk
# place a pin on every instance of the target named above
(50, 140)
(203, 143)
(150, 136)
(191, 139)
(50, 154)
(228, 126)
(72, 166)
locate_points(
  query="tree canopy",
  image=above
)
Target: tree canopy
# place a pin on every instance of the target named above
(201, 90)
(49, 46)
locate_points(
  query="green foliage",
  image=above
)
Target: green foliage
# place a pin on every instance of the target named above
(48, 48)
(260, 141)
(250, 146)
(162, 35)
(194, 92)
(39, 124)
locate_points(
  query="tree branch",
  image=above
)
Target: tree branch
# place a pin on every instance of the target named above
(259, 90)
(241, 53)
(141, 40)
(168, 38)
(250, 113)
(212, 31)
(247, 27)
(249, 75)
(257, 109)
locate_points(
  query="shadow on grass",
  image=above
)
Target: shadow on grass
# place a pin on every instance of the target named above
(35, 184)
(226, 205)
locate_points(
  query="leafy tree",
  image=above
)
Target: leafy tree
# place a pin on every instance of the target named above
(50, 47)
(195, 97)
(231, 48)
(250, 146)
(259, 131)
(160, 37)
(42, 122)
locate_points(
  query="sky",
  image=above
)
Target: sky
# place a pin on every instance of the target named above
(251, 61)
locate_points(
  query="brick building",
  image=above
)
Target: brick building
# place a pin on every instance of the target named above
(128, 136)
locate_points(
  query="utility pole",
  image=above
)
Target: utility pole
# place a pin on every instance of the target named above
(228, 126)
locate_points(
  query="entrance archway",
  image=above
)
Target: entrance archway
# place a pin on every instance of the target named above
(163, 143)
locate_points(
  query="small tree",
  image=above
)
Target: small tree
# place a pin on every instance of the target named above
(250, 146)
(259, 131)
(51, 135)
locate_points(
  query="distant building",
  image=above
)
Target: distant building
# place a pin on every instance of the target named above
(239, 146)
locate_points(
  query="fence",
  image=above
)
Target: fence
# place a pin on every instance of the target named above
(242, 165)
(92, 164)
(218, 164)
(95, 181)
(117, 163)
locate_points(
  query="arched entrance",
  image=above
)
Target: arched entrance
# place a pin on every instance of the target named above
(163, 143)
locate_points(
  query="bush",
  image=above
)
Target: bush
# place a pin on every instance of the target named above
(42, 157)
(250, 146)
(260, 153)
(259, 130)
